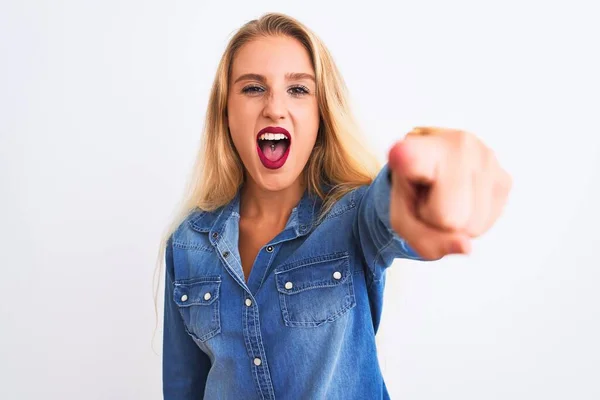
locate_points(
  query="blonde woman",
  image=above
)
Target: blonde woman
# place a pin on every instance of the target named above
(275, 267)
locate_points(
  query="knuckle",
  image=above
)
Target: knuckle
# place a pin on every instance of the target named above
(448, 220)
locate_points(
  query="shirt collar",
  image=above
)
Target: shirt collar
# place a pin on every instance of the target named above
(302, 218)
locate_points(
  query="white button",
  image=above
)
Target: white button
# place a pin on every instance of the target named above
(207, 296)
(184, 297)
(337, 275)
(248, 302)
(289, 285)
(257, 361)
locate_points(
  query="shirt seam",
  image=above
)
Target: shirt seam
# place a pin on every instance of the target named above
(381, 250)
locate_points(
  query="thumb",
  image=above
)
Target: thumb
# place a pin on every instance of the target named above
(417, 158)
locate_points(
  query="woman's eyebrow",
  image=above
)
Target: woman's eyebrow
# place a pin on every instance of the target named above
(251, 77)
(290, 76)
(297, 76)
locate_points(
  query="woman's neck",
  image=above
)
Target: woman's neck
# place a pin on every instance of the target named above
(258, 204)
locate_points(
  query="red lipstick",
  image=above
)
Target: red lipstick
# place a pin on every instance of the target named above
(273, 164)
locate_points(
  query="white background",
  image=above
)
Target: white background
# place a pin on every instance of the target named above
(101, 108)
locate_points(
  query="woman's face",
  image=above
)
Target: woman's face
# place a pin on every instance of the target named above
(272, 110)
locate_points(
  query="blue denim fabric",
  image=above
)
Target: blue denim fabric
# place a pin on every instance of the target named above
(303, 326)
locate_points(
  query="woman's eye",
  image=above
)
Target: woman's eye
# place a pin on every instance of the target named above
(294, 91)
(298, 90)
(252, 89)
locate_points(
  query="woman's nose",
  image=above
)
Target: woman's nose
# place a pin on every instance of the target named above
(274, 107)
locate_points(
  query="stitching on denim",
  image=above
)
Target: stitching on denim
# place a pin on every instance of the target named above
(341, 210)
(311, 286)
(351, 302)
(265, 364)
(191, 246)
(284, 311)
(216, 330)
(192, 223)
(311, 261)
(351, 295)
(267, 384)
(217, 311)
(228, 268)
(198, 279)
(381, 250)
(358, 271)
(183, 321)
(267, 269)
(257, 380)
(185, 327)
(213, 286)
(246, 330)
(255, 367)
(229, 248)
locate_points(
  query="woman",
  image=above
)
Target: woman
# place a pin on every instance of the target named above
(275, 268)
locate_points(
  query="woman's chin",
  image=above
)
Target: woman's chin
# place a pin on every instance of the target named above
(274, 180)
(275, 183)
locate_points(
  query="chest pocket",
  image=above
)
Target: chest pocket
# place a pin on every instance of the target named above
(198, 301)
(315, 291)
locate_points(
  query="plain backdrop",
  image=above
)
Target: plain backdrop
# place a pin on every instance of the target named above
(101, 110)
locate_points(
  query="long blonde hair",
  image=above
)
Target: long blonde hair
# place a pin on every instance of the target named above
(339, 160)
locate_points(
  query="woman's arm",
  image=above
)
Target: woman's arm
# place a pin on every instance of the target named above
(185, 366)
(379, 244)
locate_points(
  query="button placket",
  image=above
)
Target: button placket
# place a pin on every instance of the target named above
(252, 334)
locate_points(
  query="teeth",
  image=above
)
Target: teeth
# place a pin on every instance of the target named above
(272, 136)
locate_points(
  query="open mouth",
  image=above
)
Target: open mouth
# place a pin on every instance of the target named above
(273, 146)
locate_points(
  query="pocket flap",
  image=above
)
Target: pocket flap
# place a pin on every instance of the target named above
(196, 292)
(316, 272)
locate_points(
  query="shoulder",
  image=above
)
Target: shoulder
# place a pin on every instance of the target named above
(191, 233)
(347, 203)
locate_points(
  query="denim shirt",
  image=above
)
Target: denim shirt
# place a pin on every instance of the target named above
(303, 325)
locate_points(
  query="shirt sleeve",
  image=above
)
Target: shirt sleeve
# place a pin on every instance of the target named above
(378, 242)
(185, 366)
